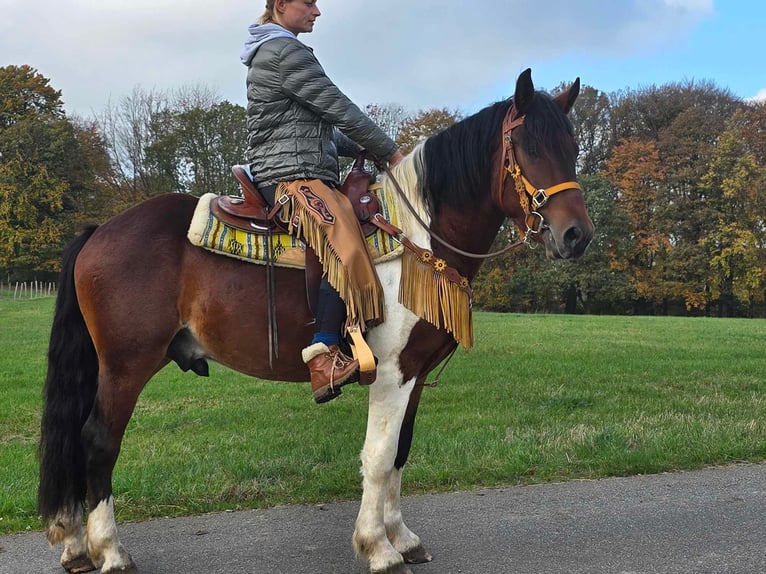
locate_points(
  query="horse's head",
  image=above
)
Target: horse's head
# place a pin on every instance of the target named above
(538, 187)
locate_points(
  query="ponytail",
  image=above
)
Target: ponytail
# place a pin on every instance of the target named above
(268, 15)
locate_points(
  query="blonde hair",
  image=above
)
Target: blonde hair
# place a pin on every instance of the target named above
(268, 14)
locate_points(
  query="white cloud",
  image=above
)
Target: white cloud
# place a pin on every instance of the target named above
(699, 6)
(425, 53)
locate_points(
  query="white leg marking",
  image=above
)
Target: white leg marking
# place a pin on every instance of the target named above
(388, 395)
(103, 544)
(67, 528)
(388, 402)
(401, 537)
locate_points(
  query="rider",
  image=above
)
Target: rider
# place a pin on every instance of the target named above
(293, 111)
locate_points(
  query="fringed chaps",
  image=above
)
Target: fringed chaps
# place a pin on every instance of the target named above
(325, 220)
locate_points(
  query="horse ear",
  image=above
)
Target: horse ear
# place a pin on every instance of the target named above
(566, 99)
(525, 91)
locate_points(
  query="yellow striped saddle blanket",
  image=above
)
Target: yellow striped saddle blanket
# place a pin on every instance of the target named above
(286, 251)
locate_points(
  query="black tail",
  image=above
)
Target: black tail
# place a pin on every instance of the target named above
(70, 390)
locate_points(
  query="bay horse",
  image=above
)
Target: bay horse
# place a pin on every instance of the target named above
(124, 311)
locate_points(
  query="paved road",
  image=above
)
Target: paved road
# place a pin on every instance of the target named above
(710, 521)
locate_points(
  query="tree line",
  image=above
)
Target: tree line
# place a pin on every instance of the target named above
(673, 177)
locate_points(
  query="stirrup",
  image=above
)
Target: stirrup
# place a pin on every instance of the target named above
(368, 370)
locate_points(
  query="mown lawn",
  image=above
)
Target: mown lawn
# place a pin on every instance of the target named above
(539, 398)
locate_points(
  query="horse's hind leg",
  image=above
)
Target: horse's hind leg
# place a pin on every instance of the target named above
(102, 435)
(75, 558)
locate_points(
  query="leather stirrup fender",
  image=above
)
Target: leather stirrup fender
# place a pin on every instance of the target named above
(356, 188)
(368, 371)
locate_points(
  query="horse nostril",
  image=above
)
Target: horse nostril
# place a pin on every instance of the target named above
(572, 236)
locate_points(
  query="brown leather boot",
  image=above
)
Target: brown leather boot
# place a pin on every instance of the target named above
(330, 370)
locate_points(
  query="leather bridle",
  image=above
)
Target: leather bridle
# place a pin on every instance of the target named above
(529, 195)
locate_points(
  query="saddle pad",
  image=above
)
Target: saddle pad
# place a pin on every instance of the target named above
(286, 251)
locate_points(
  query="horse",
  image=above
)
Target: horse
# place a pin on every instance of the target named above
(123, 312)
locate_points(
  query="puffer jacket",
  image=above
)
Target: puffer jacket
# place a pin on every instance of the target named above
(292, 112)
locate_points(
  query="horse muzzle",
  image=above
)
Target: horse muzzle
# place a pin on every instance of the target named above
(569, 241)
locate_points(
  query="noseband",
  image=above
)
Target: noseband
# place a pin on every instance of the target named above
(528, 193)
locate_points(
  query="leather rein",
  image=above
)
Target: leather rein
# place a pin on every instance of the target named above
(529, 195)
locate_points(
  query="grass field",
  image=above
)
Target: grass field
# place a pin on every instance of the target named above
(540, 398)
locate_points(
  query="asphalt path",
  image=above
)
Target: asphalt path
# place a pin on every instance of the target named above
(708, 521)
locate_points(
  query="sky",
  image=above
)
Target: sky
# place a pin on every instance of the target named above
(421, 54)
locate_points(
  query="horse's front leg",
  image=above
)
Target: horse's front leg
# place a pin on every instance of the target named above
(388, 403)
(406, 542)
(403, 539)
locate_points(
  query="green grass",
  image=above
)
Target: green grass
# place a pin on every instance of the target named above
(540, 398)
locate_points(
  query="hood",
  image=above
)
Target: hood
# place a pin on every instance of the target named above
(259, 35)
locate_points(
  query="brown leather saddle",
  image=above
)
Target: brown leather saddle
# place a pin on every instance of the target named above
(357, 188)
(250, 212)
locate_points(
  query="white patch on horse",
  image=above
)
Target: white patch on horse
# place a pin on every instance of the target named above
(103, 544)
(401, 537)
(67, 527)
(389, 396)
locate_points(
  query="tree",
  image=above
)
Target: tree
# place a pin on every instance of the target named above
(590, 118)
(51, 170)
(599, 282)
(736, 243)
(24, 93)
(33, 136)
(634, 170)
(30, 230)
(424, 124)
(94, 194)
(390, 117)
(127, 129)
(183, 141)
(194, 149)
(644, 113)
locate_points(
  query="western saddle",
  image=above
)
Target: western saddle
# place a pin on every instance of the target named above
(250, 212)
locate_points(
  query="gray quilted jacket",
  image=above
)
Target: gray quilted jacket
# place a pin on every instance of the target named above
(292, 112)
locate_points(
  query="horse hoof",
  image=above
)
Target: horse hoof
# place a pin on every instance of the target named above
(417, 555)
(129, 569)
(398, 569)
(79, 564)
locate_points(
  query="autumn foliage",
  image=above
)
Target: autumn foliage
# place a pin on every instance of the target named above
(674, 177)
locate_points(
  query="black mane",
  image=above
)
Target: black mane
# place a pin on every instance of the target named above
(458, 166)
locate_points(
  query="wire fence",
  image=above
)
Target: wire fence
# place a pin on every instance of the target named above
(27, 290)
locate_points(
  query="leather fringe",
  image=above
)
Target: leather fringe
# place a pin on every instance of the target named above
(364, 304)
(433, 297)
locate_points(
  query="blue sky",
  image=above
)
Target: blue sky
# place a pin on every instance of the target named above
(461, 54)
(726, 47)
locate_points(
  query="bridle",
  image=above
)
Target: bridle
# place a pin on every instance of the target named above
(528, 193)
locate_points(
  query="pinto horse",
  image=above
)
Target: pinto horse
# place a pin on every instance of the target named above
(124, 311)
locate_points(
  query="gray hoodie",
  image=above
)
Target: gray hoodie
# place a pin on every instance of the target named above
(259, 35)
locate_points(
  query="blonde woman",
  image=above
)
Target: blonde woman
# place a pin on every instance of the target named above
(298, 123)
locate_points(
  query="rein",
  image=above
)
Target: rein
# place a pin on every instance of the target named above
(436, 236)
(528, 193)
